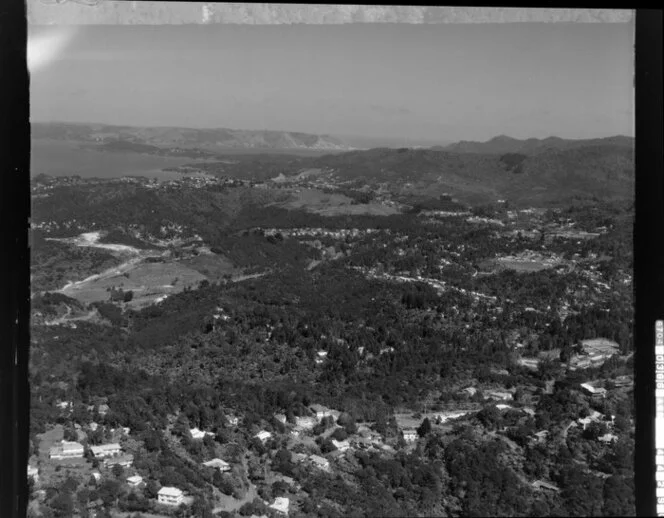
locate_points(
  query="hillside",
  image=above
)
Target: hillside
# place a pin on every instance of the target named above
(169, 137)
(605, 171)
(504, 144)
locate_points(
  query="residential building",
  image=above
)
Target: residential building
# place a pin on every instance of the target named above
(305, 423)
(341, 445)
(93, 426)
(529, 411)
(503, 407)
(498, 395)
(608, 438)
(135, 481)
(67, 450)
(322, 412)
(64, 405)
(103, 409)
(410, 434)
(281, 505)
(232, 420)
(106, 450)
(199, 434)
(125, 461)
(296, 458)
(263, 436)
(96, 475)
(471, 391)
(34, 473)
(541, 436)
(545, 486)
(170, 496)
(281, 418)
(320, 462)
(221, 465)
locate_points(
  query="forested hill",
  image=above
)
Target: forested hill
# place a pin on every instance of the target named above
(504, 144)
(603, 170)
(208, 139)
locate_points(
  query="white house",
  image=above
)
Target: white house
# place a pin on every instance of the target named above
(170, 496)
(221, 465)
(410, 434)
(281, 505)
(306, 423)
(96, 475)
(67, 450)
(135, 481)
(34, 473)
(64, 405)
(93, 426)
(103, 409)
(341, 445)
(281, 418)
(322, 412)
(608, 438)
(263, 436)
(499, 395)
(232, 420)
(503, 407)
(199, 434)
(106, 450)
(320, 462)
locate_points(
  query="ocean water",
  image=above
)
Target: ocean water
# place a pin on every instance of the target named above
(61, 158)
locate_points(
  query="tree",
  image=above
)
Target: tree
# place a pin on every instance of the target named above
(63, 505)
(424, 428)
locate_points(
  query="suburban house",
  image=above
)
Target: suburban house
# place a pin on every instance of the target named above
(93, 426)
(106, 450)
(64, 405)
(341, 445)
(502, 406)
(96, 475)
(122, 460)
(103, 409)
(232, 420)
(529, 411)
(545, 486)
(608, 438)
(170, 496)
(135, 481)
(322, 412)
(320, 462)
(280, 505)
(298, 457)
(410, 434)
(34, 473)
(221, 465)
(498, 395)
(594, 392)
(306, 423)
(471, 391)
(198, 434)
(67, 450)
(623, 381)
(281, 418)
(263, 436)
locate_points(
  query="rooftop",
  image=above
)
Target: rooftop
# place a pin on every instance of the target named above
(170, 491)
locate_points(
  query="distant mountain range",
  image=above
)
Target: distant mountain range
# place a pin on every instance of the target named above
(145, 139)
(504, 144)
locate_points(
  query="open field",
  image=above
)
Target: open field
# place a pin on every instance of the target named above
(330, 204)
(148, 281)
(212, 266)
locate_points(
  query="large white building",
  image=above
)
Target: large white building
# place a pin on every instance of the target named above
(67, 450)
(170, 496)
(106, 450)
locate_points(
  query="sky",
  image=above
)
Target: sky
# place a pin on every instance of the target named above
(444, 82)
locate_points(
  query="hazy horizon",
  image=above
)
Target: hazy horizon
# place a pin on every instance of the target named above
(417, 83)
